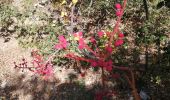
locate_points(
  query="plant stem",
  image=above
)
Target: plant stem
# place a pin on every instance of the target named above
(103, 83)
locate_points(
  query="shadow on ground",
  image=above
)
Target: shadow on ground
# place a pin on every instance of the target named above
(37, 89)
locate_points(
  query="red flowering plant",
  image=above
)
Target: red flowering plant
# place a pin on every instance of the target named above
(40, 66)
(97, 50)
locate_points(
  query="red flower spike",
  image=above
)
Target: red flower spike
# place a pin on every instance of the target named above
(118, 6)
(118, 42)
(100, 34)
(121, 35)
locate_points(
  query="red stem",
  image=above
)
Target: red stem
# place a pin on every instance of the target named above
(89, 49)
(131, 82)
(73, 56)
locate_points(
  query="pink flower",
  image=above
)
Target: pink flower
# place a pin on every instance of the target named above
(118, 9)
(61, 38)
(118, 42)
(118, 13)
(121, 35)
(109, 49)
(62, 43)
(100, 34)
(118, 6)
(81, 44)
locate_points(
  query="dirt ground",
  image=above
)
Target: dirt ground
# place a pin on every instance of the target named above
(10, 52)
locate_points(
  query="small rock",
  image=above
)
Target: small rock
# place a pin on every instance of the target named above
(28, 22)
(44, 1)
(14, 19)
(3, 84)
(143, 95)
(11, 28)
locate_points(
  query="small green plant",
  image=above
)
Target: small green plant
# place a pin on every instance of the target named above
(6, 14)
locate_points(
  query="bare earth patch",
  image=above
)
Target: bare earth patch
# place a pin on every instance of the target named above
(10, 52)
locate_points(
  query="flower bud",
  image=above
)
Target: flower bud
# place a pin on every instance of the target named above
(118, 6)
